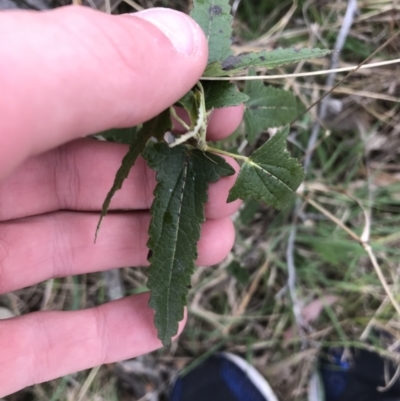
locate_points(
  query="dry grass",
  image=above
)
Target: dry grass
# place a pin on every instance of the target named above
(243, 305)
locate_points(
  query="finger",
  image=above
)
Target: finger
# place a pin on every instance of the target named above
(62, 244)
(45, 345)
(217, 206)
(224, 122)
(77, 176)
(73, 71)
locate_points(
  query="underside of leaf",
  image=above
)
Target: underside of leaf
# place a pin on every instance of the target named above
(177, 214)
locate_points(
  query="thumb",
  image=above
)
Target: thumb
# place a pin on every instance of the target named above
(73, 71)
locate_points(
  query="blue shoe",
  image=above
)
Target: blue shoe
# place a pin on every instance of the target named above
(222, 377)
(354, 375)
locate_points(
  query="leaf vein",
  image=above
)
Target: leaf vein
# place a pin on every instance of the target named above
(170, 287)
(257, 166)
(266, 188)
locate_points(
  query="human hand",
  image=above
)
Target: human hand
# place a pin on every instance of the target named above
(65, 74)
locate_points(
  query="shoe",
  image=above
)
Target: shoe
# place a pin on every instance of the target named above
(354, 375)
(222, 377)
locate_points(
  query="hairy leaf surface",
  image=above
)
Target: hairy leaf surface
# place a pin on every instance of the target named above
(233, 65)
(222, 94)
(214, 17)
(269, 175)
(268, 107)
(155, 127)
(177, 213)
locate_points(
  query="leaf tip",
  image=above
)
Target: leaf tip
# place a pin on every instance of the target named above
(98, 228)
(231, 197)
(166, 342)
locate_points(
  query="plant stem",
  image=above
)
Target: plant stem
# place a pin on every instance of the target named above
(207, 148)
(178, 119)
(202, 113)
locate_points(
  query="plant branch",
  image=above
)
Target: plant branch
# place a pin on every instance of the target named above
(199, 126)
(175, 116)
(207, 148)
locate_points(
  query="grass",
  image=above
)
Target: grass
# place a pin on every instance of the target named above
(243, 305)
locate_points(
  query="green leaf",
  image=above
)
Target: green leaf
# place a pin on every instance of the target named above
(233, 65)
(214, 17)
(222, 94)
(120, 135)
(268, 107)
(269, 175)
(271, 59)
(214, 70)
(177, 213)
(155, 127)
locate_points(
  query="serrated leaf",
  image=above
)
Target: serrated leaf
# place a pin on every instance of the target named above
(269, 175)
(268, 107)
(155, 127)
(177, 214)
(214, 17)
(214, 70)
(233, 65)
(222, 94)
(120, 135)
(271, 59)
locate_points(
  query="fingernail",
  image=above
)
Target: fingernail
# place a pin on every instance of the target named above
(181, 30)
